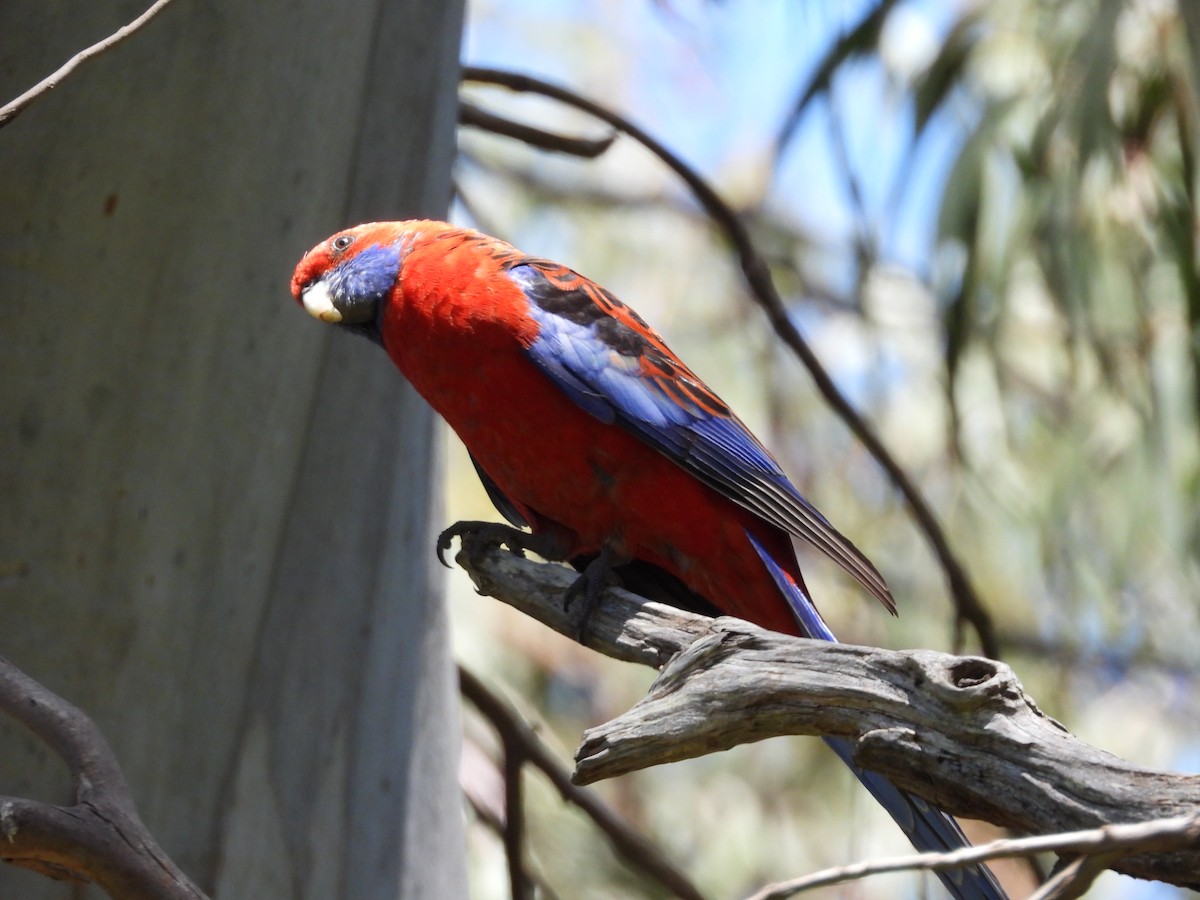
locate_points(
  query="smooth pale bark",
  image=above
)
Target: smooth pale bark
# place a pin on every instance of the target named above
(215, 513)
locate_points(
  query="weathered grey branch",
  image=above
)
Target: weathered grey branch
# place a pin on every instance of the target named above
(100, 838)
(958, 731)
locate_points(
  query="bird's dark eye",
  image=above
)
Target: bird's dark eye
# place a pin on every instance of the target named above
(341, 242)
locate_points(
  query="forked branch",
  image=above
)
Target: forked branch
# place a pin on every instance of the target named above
(99, 838)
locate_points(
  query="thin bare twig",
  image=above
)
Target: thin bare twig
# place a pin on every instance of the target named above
(522, 743)
(100, 838)
(537, 181)
(865, 240)
(1111, 842)
(519, 884)
(587, 148)
(966, 601)
(496, 824)
(14, 108)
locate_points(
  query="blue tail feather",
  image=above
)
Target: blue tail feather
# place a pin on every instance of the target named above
(927, 827)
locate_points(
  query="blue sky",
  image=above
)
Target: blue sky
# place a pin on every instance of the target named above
(716, 81)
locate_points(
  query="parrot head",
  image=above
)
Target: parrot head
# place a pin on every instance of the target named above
(346, 278)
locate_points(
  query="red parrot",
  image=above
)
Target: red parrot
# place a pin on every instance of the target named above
(587, 429)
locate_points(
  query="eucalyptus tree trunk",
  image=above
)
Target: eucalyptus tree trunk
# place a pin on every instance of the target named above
(215, 529)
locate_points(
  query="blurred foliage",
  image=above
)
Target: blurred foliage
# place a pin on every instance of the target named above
(1067, 277)
(984, 217)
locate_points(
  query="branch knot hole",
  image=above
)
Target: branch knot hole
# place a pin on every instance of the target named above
(972, 671)
(973, 682)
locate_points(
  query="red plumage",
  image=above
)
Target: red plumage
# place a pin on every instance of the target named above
(459, 330)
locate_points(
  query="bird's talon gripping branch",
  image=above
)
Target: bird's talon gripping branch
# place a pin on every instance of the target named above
(479, 536)
(599, 575)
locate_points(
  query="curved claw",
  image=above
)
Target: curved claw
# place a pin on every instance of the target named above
(484, 535)
(443, 544)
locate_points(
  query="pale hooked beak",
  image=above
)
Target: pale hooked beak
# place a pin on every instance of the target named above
(318, 301)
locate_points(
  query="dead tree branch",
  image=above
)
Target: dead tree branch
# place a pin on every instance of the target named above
(14, 108)
(100, 837)
(958, 731)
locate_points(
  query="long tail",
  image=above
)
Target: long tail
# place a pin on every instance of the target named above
(927, 827)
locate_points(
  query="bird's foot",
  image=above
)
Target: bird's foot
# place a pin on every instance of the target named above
(597, 577)
(580, 599)
(477, 537)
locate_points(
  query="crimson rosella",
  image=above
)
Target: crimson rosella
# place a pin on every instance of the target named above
(587, 429)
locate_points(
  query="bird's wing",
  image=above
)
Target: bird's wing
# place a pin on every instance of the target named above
(615, 366)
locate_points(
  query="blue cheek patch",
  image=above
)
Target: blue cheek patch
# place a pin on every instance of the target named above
(363, 280)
